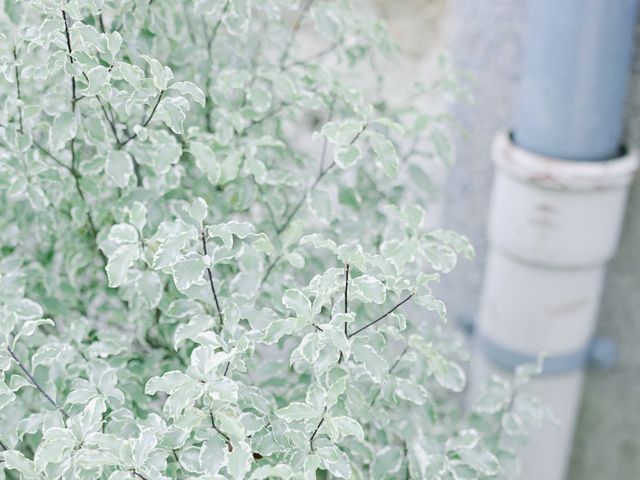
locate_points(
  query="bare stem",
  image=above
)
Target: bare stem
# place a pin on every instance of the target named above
(139, 475)
(146, 122)
(70, 53)
(381, 317)
(315, 432)
(210, 275)
(19, 95)
(35, 382)
(305, 5)
(395, 364)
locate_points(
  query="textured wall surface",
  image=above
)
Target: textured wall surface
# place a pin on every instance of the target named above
(484, 38)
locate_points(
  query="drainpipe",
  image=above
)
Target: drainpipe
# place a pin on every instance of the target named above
(559, 194)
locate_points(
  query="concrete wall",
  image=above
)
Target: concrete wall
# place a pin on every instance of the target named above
(484, 38)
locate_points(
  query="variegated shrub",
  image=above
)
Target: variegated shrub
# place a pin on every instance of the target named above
(210, 229)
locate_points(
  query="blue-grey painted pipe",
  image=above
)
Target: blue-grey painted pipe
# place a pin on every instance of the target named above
(576, 64)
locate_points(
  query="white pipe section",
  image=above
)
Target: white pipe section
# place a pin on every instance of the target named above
(553, 226)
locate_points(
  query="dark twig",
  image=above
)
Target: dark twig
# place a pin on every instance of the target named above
(305, 6)
(35, 382)
(315, 432)
(395, 364)
(146, 122)
(346, 303)
(210, 275)
(315, 56)
(381, 317)
(139, 475)
(346, 294)
(224, 435)
(70, 53)
(17, 72)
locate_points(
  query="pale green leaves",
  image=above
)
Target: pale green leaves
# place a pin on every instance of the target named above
(260, 98)
(190, 89)
(63, 129)
(335, 461)
(119, 167)
(341, 426)
(127, 252)
(188, 270)
(368, 289)
(374, 364)
(239, 462)
(160, 75)
(344, 132)
(385, 153)
(299, 303)
(205, 161)
(346, 155)
(297, 411)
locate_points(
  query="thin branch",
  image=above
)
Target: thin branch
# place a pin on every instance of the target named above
(210, 40)
(395, 364)
(346, 305)
(17, 73)
(381, 317)
(110, 121)
(320, 176)
(325, 141)
(346, 294)
(139, 475)
(210, 275)
(70, 53)
(51, 156)
(315, 432)
(146, 122)
(300, 202)
(35, 382)
(305, 6)
(315, 56)
(224, 435)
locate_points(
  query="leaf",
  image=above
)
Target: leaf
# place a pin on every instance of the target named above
(371, 360)
(409, 390)
(494, 396)
(278, 329)
(443, 147)
(481, 460)
(198, 324)
(297, 411)
(369, 289)
(335, 461)
(259, 98)
(149, 287)
(188, 270)
(240, 460)
(387, 463)
(342, 426)
(299, 303)
(143, 446)
(160, 75)
(342, 133)
(205, 160)
(63, 129)
(122, 233)
(120, 262)
(190, 89)
(15, 460)
(385, 154)
(336, 334)
(119, 167)
(168, 382)
(213, 455)
(346, 155)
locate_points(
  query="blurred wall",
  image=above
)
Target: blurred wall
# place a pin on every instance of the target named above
(484, 38)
